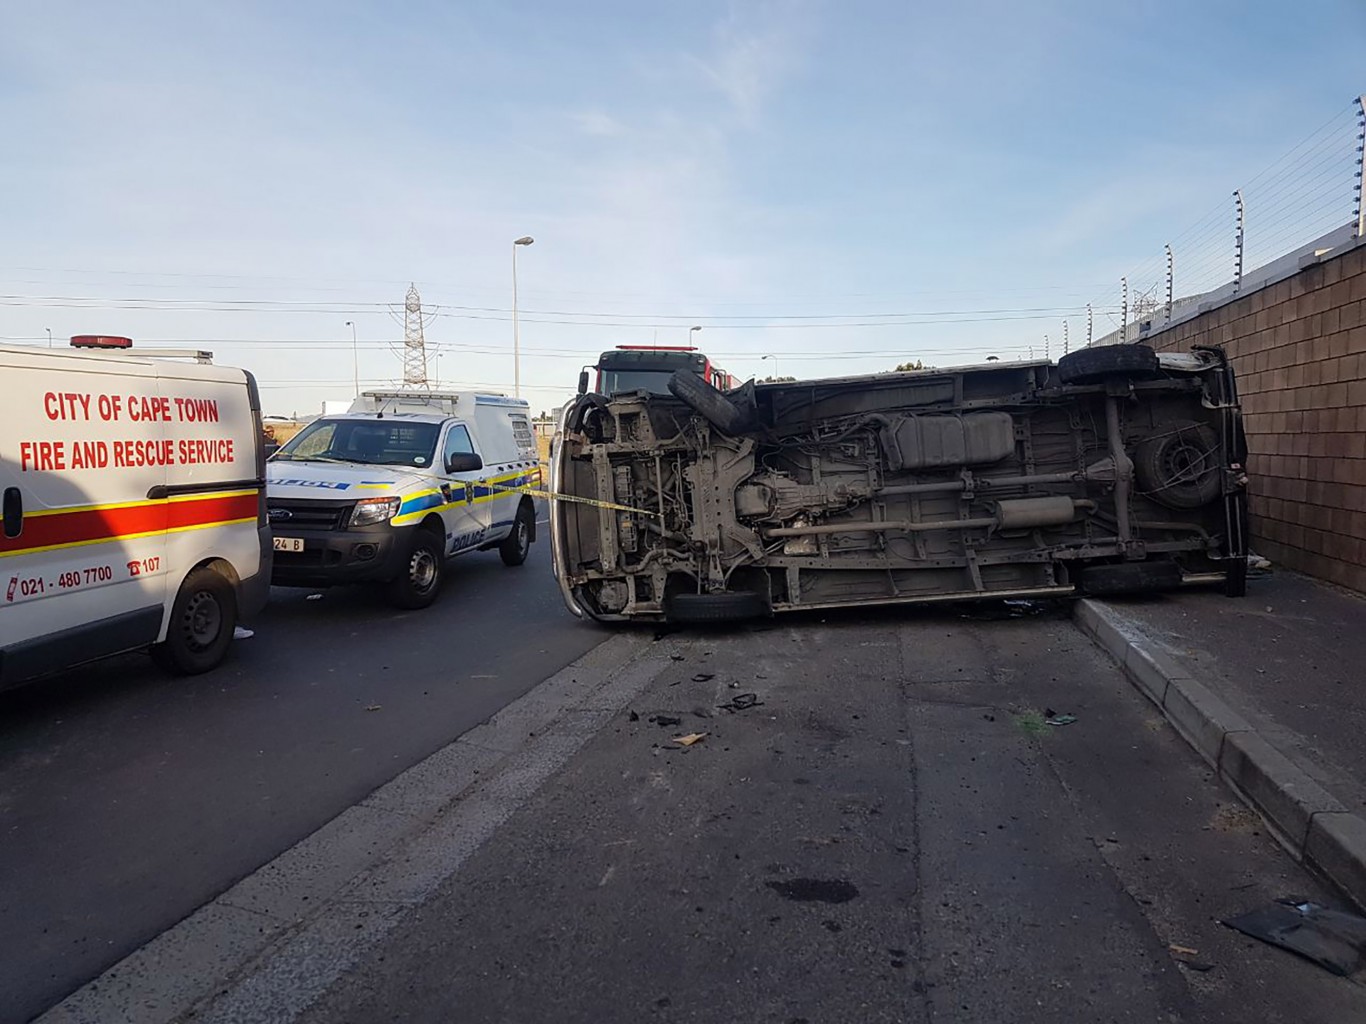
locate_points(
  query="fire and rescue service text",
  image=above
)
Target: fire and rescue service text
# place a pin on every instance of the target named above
(61, 455)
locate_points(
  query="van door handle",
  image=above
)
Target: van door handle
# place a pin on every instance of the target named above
(13, 512)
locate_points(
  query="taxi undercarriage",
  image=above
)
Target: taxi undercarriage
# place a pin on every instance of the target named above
(1114, 470)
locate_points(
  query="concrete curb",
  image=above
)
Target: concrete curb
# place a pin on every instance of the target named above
(1311, 823)
(268, 946)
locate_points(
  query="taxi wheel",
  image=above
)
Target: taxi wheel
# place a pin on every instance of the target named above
(418, 583)
(517, 544)
(202, 622)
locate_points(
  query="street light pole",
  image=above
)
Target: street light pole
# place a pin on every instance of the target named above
(516, 340)
(775, 363)
(691, 332)
(355, 357)
(49, 336)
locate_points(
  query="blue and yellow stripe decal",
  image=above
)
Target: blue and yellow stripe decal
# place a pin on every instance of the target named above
(464, 492)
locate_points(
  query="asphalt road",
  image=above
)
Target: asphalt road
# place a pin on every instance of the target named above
(128, 799)
(893, 833)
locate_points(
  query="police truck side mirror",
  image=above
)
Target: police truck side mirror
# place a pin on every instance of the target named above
(463, 462)
(583, 382)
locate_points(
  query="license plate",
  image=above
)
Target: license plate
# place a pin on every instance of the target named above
(289, 543)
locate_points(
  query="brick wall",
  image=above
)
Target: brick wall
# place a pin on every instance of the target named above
(1299, 349)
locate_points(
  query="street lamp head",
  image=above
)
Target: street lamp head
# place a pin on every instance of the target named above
(691, 329)
(350, 324)
(524, 240)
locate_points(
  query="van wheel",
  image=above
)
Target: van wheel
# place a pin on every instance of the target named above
(418, 583)
(1090, 365)
(708, 402)
(727, 606)
(202, 622)
(1130, 578)
(517, 544)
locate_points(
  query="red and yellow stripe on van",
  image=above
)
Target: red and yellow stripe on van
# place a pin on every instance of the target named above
(48, 530)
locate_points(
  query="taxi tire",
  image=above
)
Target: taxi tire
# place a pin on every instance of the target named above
(425, 560)
(203, 619)
(517, 544)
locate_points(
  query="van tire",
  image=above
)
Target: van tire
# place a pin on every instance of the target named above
(708, 402)
(1130, 578)
(1091, 365)
(203, 619)
(728, 606)
(419, 580)
(517, 544)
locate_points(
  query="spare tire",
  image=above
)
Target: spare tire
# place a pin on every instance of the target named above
(1089, 365)
(727, 606)
(708, 402)
(1180, 467)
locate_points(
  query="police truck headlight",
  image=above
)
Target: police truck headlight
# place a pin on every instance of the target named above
(370, 511)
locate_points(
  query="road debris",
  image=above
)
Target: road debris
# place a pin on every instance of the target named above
(665, 721)
(675, 657)
(1060, 719)
(634, 717)
(314, 597)
(742, 702)
(690, 739)
(373, 707)
(242, 633)
(702, 677)
(1333, 939)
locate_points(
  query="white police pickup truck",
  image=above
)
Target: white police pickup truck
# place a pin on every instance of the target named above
(387, 492)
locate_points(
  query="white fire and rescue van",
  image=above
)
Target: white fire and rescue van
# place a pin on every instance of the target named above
(133, 508)
(389, 491)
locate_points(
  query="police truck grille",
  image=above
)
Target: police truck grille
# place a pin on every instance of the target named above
(309, 515)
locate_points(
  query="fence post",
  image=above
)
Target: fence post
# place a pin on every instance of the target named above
(1238, 243)
(1124, 311)
(1170, 281)
(1361, 165)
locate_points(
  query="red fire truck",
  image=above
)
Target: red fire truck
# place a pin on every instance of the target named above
(648, 367)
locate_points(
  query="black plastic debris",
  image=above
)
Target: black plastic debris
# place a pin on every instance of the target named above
(665, 721)
(635, 717)
(742, 702)
(1333, 939)
(702, 677)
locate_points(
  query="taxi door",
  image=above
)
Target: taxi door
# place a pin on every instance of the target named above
(466, 517)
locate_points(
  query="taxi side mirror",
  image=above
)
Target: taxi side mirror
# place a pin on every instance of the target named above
(463, 462)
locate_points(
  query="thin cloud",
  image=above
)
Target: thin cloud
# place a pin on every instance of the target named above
(597, 122)
(757, 49)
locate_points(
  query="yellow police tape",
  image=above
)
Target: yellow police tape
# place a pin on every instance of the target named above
(552, 496)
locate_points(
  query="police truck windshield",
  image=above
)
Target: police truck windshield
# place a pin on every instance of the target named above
(369, 442)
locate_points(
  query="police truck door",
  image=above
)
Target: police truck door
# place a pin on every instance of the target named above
(467, 506)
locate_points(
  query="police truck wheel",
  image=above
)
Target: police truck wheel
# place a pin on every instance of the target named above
(202, 622)
(517, 544)
(419, 581)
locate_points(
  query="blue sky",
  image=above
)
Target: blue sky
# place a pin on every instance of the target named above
(272, 171)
